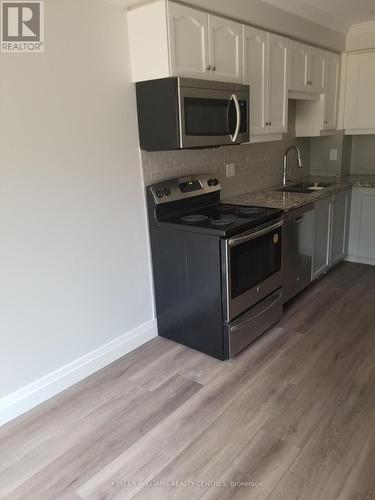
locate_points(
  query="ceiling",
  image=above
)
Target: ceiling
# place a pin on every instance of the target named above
(339, 15)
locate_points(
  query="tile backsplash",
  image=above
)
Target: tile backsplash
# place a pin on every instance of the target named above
(257, 166)
(362, 159)
(320, 163)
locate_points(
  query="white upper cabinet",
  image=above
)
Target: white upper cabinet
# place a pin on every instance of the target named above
(277, 111)
(317, 115)
(148, 41)
(225, 49)
(266, 71)
(307, 68)
(255, 74)
(317, 70)
(188, 41)
(359, 95)
(299, 62)
(170, 39)
(332, 85)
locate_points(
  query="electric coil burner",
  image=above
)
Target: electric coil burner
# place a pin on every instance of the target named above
(222, 222)
(252, 211)
(194, 219)
(217, 267)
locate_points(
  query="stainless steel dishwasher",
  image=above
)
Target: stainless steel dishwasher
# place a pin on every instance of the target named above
(297, 250)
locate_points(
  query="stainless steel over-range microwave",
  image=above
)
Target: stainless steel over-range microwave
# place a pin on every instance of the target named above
(178, 113)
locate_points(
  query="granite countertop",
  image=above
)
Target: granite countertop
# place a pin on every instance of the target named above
(274, 198)
(361, 180)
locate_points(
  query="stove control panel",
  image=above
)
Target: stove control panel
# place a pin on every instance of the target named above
(213, 182)
(182, 188)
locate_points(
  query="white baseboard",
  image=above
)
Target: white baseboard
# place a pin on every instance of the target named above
(360, 260)
(37, 392)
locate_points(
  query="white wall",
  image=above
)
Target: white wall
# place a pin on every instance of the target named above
(74, 260)
(268, 17)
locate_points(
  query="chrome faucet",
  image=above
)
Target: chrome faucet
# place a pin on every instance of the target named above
(285, 163)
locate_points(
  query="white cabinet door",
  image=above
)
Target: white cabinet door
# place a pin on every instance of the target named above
(255, 74)
(359, 95)
(322, 230)
(340, 226)
(362, 225)
(317, 70)
(331, 99)
(299, 61)
(225, 47)
(188, 41)
(366, 229)
(277, 108)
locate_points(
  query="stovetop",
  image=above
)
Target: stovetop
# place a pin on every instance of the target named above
(223, 219)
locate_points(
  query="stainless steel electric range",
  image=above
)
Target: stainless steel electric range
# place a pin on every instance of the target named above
(216, 267)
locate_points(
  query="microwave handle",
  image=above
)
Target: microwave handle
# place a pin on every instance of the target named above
(233, 137)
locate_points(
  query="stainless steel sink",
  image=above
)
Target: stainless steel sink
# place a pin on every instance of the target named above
(305, 187)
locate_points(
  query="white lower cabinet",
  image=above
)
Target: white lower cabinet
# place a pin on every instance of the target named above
(362, 226)
(340, 216)
(322, 229)
(331, 231)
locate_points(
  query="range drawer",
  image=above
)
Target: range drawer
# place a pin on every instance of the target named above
(251, 324)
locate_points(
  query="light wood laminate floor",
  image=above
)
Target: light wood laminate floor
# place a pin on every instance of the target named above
(292, 417)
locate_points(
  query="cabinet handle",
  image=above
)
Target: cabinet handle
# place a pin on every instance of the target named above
(269, 123)
(213, 68)
(208, 67)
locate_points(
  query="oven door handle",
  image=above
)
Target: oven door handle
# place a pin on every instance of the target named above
(233, 137)
(251, 236)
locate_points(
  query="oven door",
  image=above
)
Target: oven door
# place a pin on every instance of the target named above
(211, 117)
(252, 268)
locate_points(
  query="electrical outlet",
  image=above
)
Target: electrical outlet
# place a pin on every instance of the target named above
(333, 154)
(230, 169)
